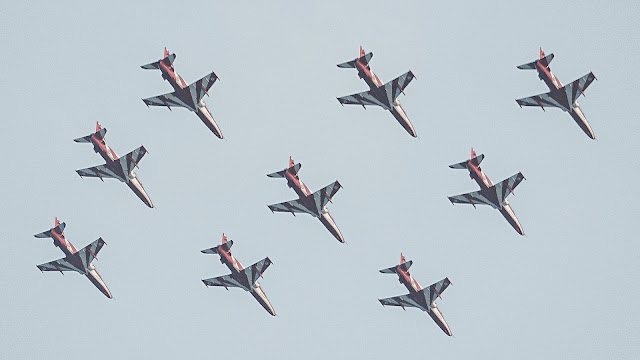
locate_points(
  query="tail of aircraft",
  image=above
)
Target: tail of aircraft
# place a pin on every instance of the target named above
(59, 227)
(404, 265)
(293, 168)
(167, 59)
(364, 59)
(226, 246)
(100, 132)
(545, 60)
(475, 160)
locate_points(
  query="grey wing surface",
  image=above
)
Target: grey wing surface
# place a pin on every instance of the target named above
(564, 98)
(131, 160)
(396, 86)
(201, 87)
(505, 187)
(100, 171)
(293, 206)
(168, 100)
(473, 198)
(364, 98)
(90, 252)
(403, 301)
(59, 265)
(324, 195)
(438, 288)
(256, 270)
(226, 281)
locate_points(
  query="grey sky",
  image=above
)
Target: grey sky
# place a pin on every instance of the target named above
(567, 290)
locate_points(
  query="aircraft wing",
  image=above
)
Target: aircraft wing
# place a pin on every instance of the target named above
(505, 187)
(473, 198)
(396, 86)
(226, 281)
(168, 100)
(563, 98)
(402, 301)
(201, 87)
(438, 288)
(59, 265)
(363, 98)
(256, 270)
(100, 171)
(293, 206)
(324, 195)
(131, 160)
(90, 252)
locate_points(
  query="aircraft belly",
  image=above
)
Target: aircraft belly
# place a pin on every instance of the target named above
(261, 297)
(330, 224)
(581, 120)
(137, 188)
(508, 214)
(95, 278)
(205, 115)
(403, 119)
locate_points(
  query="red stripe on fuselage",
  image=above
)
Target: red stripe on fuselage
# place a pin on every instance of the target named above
(545, 75)
(368, 76)
(228, 259)
(59, 240)
(169, 74)
(297, 185)
(477, 175)
(409, 282)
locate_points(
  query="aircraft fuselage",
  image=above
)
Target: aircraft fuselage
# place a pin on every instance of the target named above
(545, 74)
(485, 183)
(255, 289)
(110, 157)
(304, 193)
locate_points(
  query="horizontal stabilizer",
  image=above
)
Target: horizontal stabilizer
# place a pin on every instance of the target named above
(87, 139)
(463, 165)
(156, 65)
(280, 174)
(351, 64)
(47, 234)
(214, 250)
(392, 270)
(532, 65)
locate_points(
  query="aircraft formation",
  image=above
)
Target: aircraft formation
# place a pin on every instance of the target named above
(315, 203)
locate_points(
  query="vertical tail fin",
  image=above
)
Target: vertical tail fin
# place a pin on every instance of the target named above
(402, 259)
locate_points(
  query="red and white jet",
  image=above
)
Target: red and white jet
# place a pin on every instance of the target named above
(244, 278)
(309, 203)
(75, 260)
(489, 194)
(563, 97)
(384, 95)
(418, 297)
(187, 96)
(120, 168)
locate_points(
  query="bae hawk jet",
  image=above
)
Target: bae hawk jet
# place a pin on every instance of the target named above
(423, 299)
(244, 278)
(563, 97)
(310, 203)
(489, 194)
(383, 95)
(75, 260)
(120, 168)
(187, 96)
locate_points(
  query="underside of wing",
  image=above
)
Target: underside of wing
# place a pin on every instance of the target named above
(168, 100)
(577, 87)
(256, 270)
(100, 171)
(543, 100)
(293, 206)
(201, 87)
(90, 252)
(403, 301)
(505, 187)
(396, 86)
(59, 265)
(226, 281)
(131, 160)
(364, 98)
(324, 195)
(436, 289)
(473, 198)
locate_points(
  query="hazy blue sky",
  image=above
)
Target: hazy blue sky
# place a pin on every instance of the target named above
(568, 290)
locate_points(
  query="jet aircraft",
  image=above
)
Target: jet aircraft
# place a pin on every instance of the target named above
(384, 95)
(187, 96)
(418, 297)
(489, 194)
(563, 97)
(244, 278)
(120, 168)
(75, 260)
(310, 203)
